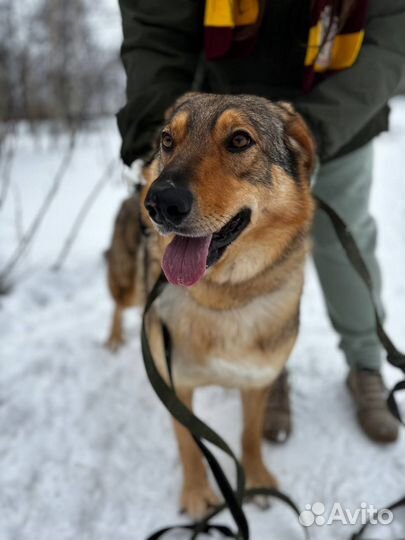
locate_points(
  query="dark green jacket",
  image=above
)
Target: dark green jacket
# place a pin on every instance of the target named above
(163, 42)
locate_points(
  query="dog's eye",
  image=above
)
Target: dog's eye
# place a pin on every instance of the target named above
(240, 141)
(167, 141)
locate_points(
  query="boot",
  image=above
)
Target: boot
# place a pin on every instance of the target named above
(277, 416)
(369, 394)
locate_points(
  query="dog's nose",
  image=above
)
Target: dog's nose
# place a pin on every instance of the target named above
(168, 205)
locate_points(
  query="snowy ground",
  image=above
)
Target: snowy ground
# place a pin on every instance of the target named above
(87, 452)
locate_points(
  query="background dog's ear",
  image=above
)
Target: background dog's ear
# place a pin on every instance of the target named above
(299, 136)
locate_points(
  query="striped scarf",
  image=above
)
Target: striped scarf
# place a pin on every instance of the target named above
(232, 27)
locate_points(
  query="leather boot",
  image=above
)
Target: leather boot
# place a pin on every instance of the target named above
(369, 394)
(277, 416)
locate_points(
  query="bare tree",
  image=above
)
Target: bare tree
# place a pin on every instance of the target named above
(83, 212)
(56, 69)
(31, 232)
(52, 67)
(7, 69)
(7, 152)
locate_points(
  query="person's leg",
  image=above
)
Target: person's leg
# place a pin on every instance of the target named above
(345, 184)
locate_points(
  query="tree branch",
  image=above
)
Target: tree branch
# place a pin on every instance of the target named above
(30, 234)
(84, 210)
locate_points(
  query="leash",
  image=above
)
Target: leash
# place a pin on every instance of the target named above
(202, 433)
(394, 356)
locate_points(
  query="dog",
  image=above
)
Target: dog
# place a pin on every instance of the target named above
(226, 212)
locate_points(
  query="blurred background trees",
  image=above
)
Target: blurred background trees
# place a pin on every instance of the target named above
(53, 62)
(61, 82)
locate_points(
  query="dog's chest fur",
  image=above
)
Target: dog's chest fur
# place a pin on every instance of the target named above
(243, 347)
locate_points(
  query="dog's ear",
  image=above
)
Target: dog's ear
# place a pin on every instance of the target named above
(178, 103)
(299, 136)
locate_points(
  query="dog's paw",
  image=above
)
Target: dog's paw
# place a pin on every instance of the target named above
(114, 343)
(260, 478)
(197, 500)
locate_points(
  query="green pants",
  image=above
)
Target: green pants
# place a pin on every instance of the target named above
(345, 183)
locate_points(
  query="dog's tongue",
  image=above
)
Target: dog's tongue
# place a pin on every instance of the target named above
(185, 259)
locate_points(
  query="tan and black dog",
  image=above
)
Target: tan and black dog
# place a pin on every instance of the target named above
(228, 209)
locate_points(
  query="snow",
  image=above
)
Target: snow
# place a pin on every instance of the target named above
(87, 452)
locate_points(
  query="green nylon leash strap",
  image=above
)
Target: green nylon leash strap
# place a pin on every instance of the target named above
(217, 471)
(394, 356)
(196, 427)
(392, 404)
